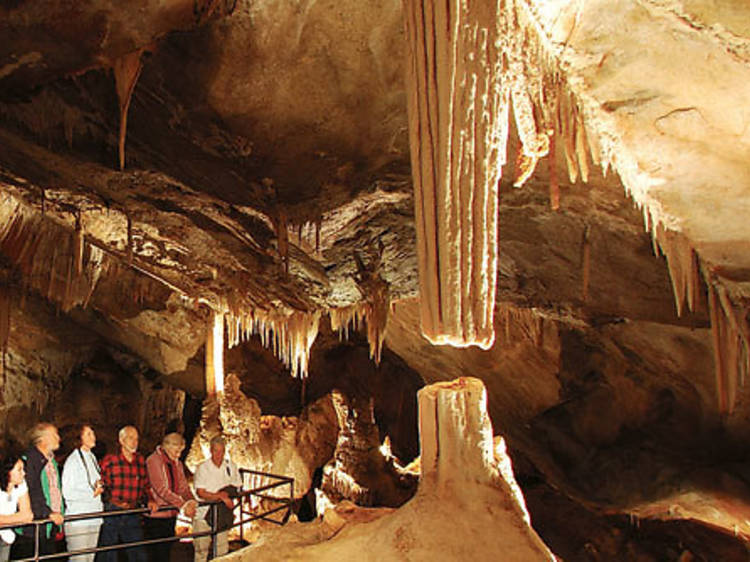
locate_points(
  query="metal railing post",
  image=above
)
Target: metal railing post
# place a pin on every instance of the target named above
(242, 510)
(214, 534)
(291, 500)
(36, 541)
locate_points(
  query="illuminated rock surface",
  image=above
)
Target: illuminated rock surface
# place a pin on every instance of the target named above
(460, 474)
(272, 176)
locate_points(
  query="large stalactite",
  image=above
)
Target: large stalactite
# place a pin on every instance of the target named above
(290, 335)
(468, 63)
(456, 116)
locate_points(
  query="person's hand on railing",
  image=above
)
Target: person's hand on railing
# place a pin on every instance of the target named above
(223, 496)
(189, 508)
(57, 518)
(153, 506)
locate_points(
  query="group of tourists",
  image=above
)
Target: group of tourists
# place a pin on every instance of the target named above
(31, 487)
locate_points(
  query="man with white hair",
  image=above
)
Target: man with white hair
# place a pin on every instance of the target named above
(211, 477)
(126, 487)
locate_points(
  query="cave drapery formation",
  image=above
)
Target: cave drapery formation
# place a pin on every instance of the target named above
(285, 199)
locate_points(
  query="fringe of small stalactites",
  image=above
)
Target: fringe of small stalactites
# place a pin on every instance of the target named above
(729, 327)
(544, 102)
(307, 235)
(559, 111)
(548, 114)
(54, 260)
(289, 335)
(518, 324)
(351, 318)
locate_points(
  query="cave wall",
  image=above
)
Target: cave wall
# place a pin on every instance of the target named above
(43, 350)
(56, 370)
(110, 394)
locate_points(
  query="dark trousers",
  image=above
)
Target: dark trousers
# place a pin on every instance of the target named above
(119, 529)
(23, 546)
(160, 528)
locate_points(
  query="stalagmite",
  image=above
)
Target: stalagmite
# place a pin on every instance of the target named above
(463, 471)
(359, 471)
(126, 68)
(215, 355)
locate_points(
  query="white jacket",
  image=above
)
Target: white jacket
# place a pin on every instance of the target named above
(78, 486)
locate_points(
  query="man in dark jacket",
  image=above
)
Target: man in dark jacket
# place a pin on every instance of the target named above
(45, 490)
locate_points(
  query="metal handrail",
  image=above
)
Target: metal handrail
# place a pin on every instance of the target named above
(287, 505)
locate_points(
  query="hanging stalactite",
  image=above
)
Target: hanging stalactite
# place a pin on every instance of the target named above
(468, 62)
(729, 327)
(290, 335)
(127, 69)
(215, 355)
(458, 116)
(54, 260)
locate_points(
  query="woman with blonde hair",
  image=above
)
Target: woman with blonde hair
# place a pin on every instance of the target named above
(82, 488)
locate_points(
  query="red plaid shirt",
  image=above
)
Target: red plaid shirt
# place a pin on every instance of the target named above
(124, 481)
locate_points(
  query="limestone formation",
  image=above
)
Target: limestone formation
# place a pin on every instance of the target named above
(298, 168)
(290, 446)
(459, 475)
(359, 471)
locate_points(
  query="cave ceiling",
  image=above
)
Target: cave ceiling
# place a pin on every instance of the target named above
(267, 175)
(267, 171)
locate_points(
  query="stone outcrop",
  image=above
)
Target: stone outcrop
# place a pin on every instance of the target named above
(293, 446)
(465, 505)
(54, 371)
(359, 471)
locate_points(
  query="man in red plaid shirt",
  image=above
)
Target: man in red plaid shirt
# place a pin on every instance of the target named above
(126, 487)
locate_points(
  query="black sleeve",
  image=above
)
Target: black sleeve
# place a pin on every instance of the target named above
(34, 467)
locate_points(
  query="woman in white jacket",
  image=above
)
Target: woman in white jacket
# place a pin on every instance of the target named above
(82, 489)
